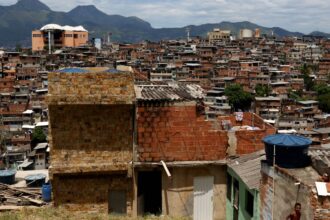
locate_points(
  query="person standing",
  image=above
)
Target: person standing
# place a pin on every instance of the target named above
(296, 214)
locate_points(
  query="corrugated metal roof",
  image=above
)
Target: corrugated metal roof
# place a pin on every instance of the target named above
(41, 146)
(173, 92)
(322, 130)
(320, 154)
(248, 168)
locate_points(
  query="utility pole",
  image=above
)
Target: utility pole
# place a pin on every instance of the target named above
(3, 135)
(2, 75)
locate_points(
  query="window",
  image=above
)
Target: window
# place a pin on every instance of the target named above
(249, 203)
(117, 202)
(235, 199)
(229, 186)
(236, 194)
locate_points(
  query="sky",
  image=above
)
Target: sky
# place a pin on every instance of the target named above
(294, 15)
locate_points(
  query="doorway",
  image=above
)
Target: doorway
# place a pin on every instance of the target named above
(150, 192)
(203, 197)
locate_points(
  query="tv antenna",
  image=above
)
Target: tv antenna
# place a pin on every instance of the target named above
(188, 34)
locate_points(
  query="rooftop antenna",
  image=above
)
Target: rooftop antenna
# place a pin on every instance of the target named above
(109, 38)
(188, 34)
(49, 42)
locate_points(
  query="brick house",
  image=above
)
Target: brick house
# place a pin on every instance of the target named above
(183, 154)
(151, 150)
(91, 139)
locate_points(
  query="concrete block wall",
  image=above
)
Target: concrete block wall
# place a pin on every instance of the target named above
(94, 87)
(177, 133)
(90, 192)
(90, 138)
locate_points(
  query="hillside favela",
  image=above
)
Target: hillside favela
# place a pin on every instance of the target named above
(173, 110)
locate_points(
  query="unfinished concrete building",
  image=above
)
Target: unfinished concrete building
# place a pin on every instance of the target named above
(91, 136)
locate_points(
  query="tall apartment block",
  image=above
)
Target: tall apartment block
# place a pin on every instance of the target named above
(55, 36)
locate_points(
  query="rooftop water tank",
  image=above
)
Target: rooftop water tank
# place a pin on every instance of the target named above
(291, 151)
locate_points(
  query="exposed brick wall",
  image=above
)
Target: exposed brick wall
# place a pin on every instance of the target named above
(177, 133)
(90, 192)
(90, 88)
(249, 141)
(89, 138)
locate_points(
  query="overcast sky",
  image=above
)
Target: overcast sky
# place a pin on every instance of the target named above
(294, 15)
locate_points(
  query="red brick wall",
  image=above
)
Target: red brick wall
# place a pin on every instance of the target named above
(176, 133)
(250, 141)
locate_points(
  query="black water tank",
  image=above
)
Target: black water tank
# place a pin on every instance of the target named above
(291, 150)
(7, 176)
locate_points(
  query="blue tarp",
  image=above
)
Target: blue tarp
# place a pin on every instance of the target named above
(286, 140)
(73, 70)
(113, 71)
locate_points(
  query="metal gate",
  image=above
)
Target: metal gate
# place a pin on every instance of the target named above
(203, 198)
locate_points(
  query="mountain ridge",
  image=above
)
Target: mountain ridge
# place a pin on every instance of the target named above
(18, 20)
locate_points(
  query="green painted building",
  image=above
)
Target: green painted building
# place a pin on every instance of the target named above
(243, 179)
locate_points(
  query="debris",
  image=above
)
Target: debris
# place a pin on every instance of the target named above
(12, 198)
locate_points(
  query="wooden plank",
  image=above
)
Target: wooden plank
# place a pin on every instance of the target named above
(10, 207)
(15, 190)
(35, 201)
(13, 207)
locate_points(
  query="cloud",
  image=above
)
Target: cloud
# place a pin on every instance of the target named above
(294, 15)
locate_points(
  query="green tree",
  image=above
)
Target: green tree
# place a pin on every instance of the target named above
(296, 95)
(308, 81)
(322, 89)
(38, 136)
(324, 102)
(323, 96)
(238, 98)
(262, 90)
